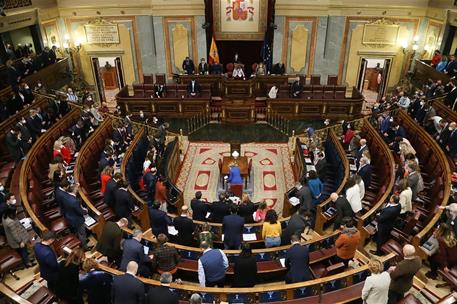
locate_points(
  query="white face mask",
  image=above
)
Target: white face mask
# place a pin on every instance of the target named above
(39, 85)
(13, 202)
(2, 188)
(23, 121)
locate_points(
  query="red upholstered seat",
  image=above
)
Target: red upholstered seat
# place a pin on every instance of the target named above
(237, 190)
(42, 296)
(70, 241)
(58, 225)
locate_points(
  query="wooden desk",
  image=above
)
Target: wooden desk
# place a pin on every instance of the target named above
(242, 162)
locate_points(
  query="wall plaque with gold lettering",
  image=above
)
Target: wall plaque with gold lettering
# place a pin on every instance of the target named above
(102, 33)
(380, 34)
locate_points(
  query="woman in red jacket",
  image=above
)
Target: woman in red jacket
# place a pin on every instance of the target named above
(105, 176)
(446, 256)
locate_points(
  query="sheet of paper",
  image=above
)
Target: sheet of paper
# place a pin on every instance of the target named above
(283, 262)
(146, 249)
(208, 214)
(294, 201)
(353, 167)
(88, 220)
(308, 160)
(249, 237)
(310, 167)
(172, 230)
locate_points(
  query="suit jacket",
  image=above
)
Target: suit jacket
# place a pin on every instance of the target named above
(305, 197)
(365, 173)
(73, 212)
(14, 146)
(232, 227)
(413, 183)
(162, 295)
(235, 176)
(134, 251)
(246, 211)
(321, 167)
(159, 221)
(97, 283)
(127, 289)
(110, 190)
(195, 89)
(386, 220)
(297, 264)
(185, 227)
(359, 154)
(123, 203)
(109, 243)
(296, 225)
(245, 271)
(343, 209)
(199, 209)
(202, 68)
(12, 74)
(188, 66)
(218, 211)
(452, 143)
(402, 276)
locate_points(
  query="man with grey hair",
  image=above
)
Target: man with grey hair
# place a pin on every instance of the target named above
(195, 299)
(402, 275)
(134, 251)
(365, 170)
(451, 215)
(126, 288)
(162, 294)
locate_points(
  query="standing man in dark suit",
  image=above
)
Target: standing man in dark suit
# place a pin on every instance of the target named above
(203, 68)
(26, 137)
(343, 209)
(47, 260)
(364, 171)
(74, 213)
(109, 242)
(13, 143)
(134, 251)
(297, 262)
(188, 66)
(13, 74)
(199, 207)
(162, 294)
(451, 146)
(386, 221)
(219, 209)
(185, 227)
(297, 88)
(111, 187)
(304, 194)
(232, 228)
(52, 54)
(126, 288)
(159, 219)
(321, 166)
(123, 202)
(193, 88)
(361, 150)
(296, 226)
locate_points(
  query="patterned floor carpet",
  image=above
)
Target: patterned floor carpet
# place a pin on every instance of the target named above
(271, 174)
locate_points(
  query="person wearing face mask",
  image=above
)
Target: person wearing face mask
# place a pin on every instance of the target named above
(203, 67)
(98, 118)
(451, 215)
(188, 66)
(71, 96)
(25, 90)
(26, 139)
(451, 145)
(2, 193)
(141, 117)
(9, 203)
(40, 88)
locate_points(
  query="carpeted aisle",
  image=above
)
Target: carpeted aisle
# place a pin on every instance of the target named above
(271, 174)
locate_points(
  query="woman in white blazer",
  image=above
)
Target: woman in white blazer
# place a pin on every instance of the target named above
(353, 195)
(376, 287)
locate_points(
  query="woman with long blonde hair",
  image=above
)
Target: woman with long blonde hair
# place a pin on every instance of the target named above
(446, 256)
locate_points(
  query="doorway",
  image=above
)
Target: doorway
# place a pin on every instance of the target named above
(373, 78)
(109, 78)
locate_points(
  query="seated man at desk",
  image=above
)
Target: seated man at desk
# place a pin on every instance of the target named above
(297, 88)
(238, 72)
(203, 68)
(159, 90)
(188, 66)
(278, 69)
(216, 69)
(234, 175)
(193, 88)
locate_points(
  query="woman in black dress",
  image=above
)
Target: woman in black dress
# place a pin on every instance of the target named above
(245, 268)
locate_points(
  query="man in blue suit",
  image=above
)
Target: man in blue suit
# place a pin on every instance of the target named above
(386, 221)
(232, 227)
(126, 288)
(73, 212)
(452, 140)
(297, 262)
(235, 175)
(134, 251)
(159, 219)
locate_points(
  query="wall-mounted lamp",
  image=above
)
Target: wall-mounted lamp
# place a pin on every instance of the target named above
(67, 46)
(406, 47)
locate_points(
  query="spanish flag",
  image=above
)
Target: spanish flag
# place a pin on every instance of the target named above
(213, 54)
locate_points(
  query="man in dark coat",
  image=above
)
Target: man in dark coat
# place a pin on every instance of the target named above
(232, 228)
(111, 188)
(185, 227)
(134, 251)
(297, 262)
(386, 221)
(219, 209)
(162, 294)
(47, 260)
(296, 226)
(126, 288)
(188, 66)
(74, 213)
(343, 209)
(13, 144)
(123, 202)
(159, 219)
(109, 242)
(321, 166)
(199, 207)
(365, 171)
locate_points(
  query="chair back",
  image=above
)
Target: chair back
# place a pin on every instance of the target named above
(236, 189)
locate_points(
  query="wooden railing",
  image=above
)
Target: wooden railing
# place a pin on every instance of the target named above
(41, 144)
(423, 72)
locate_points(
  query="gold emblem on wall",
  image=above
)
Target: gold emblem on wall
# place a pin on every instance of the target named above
(180, 45)
(298, 48)
(380, 33)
